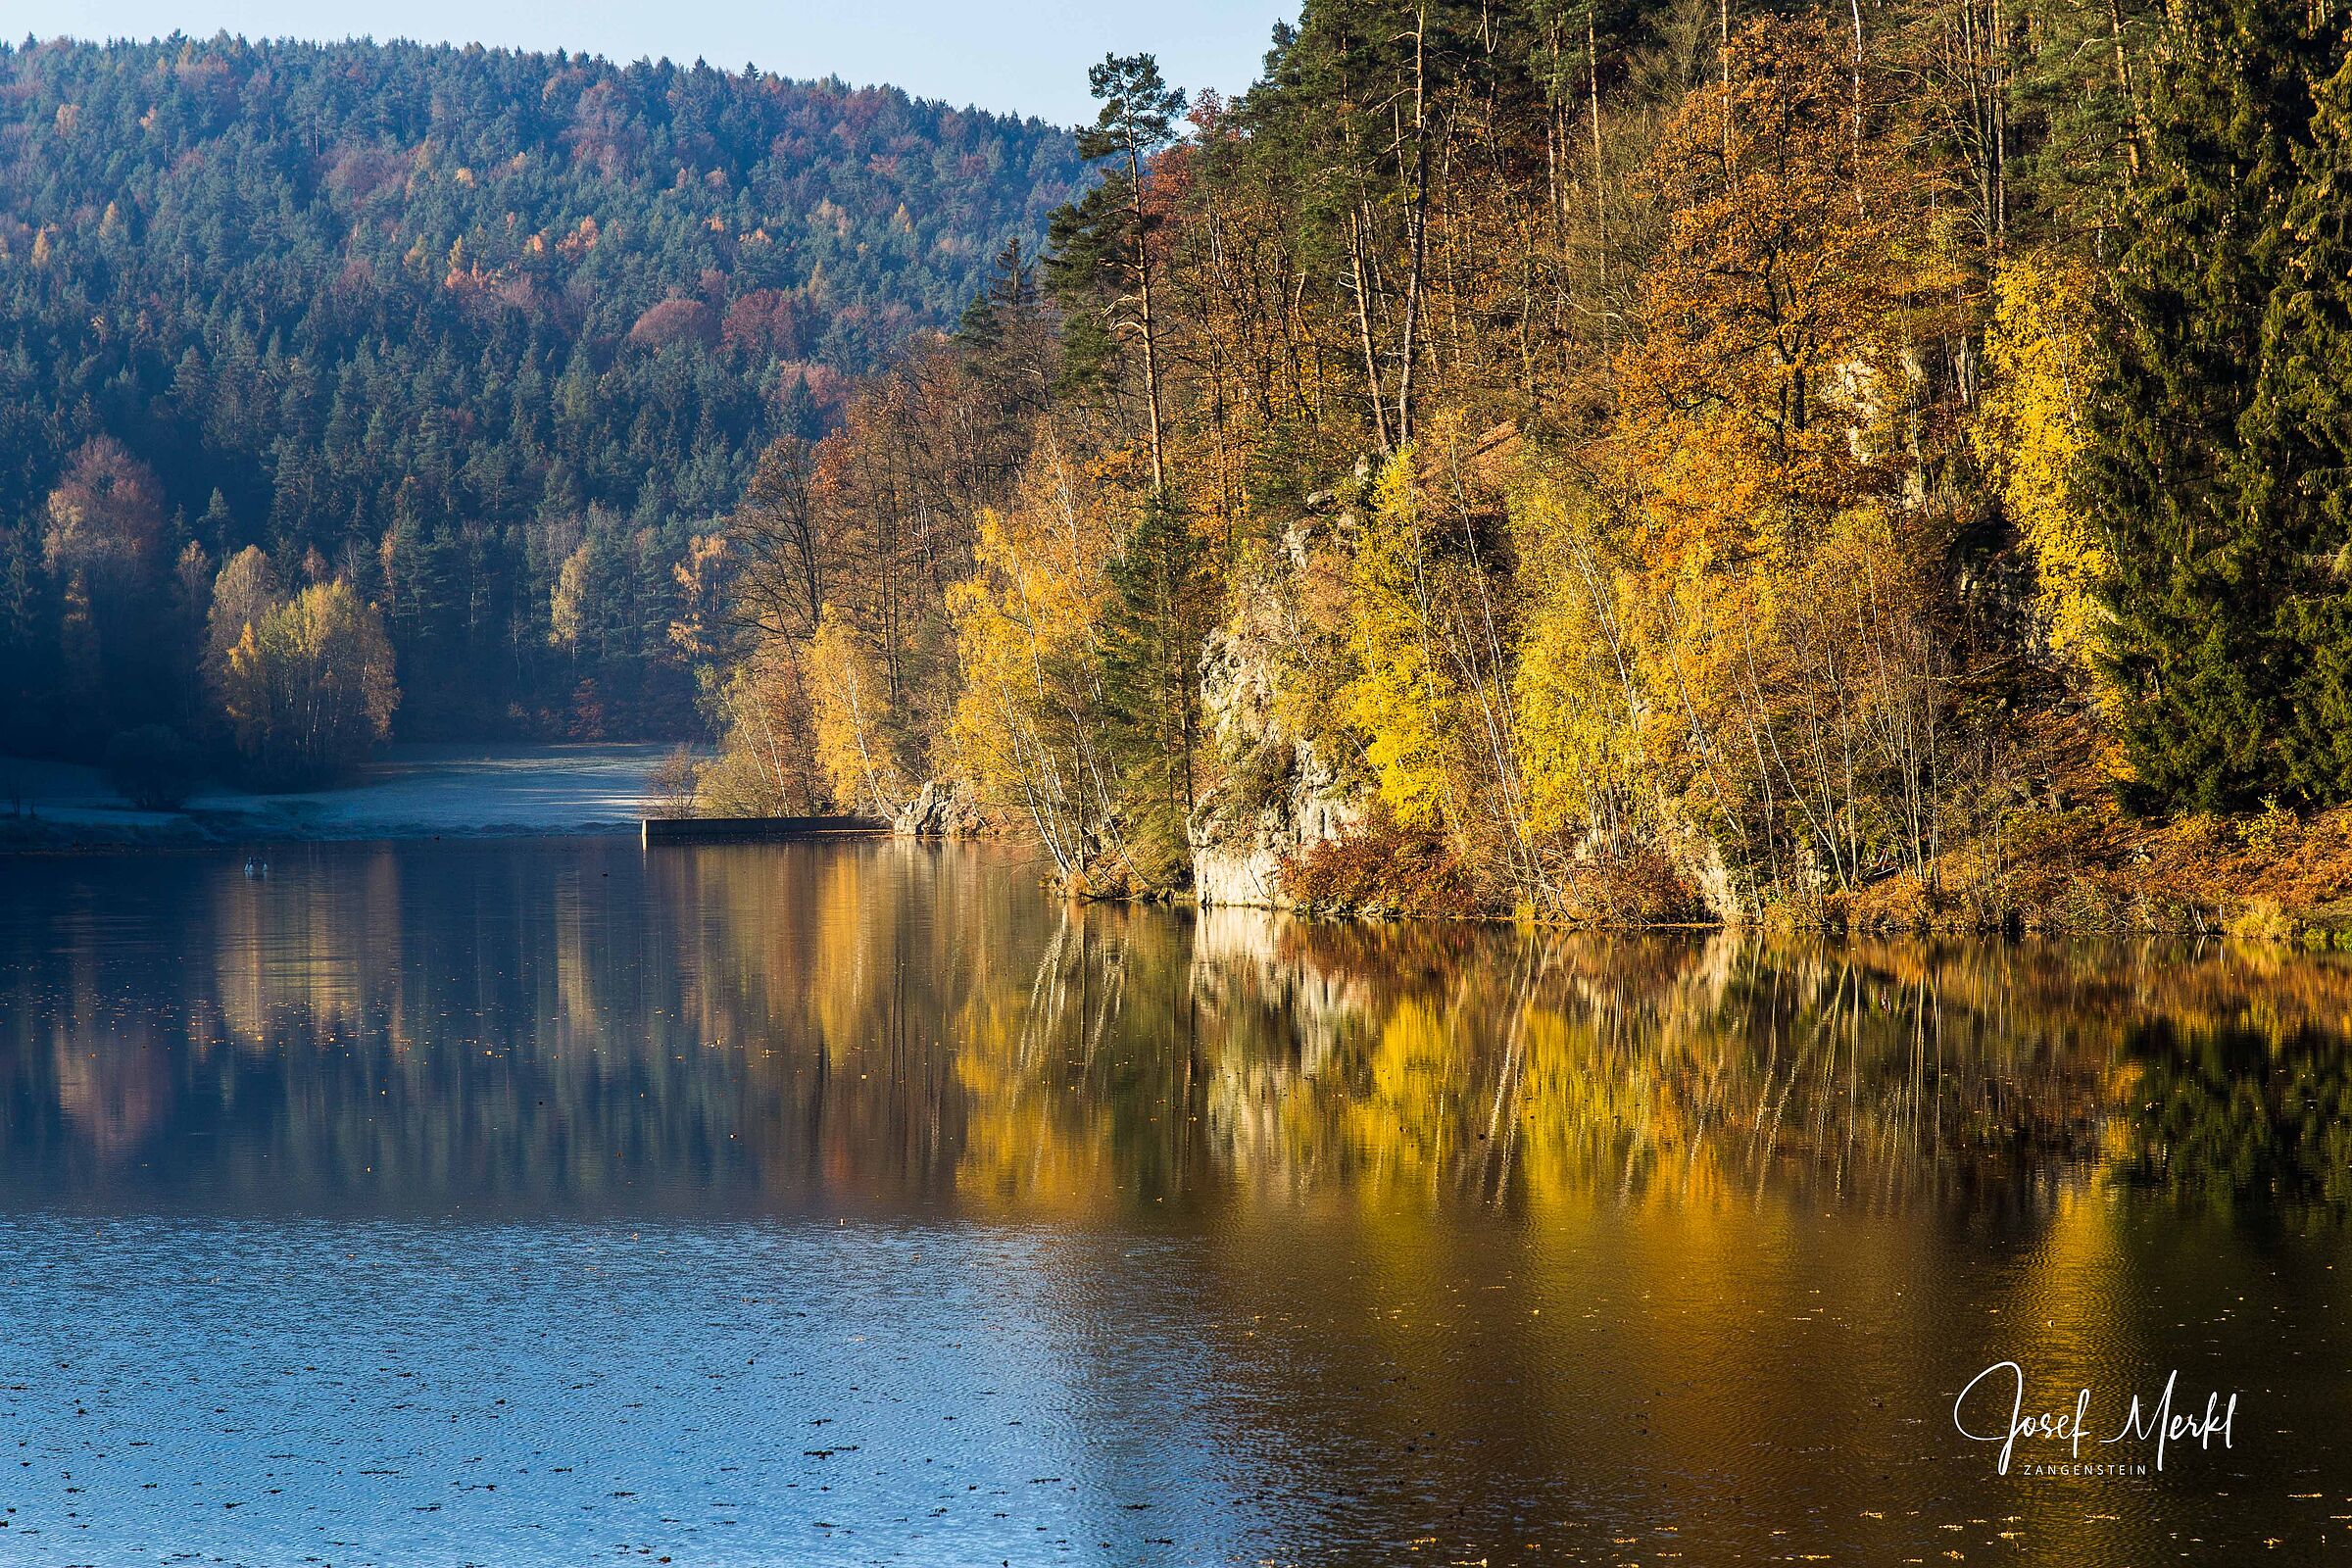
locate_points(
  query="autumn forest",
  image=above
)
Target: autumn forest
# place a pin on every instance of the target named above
(1605, 460)
(1867, 464)
(485, 337)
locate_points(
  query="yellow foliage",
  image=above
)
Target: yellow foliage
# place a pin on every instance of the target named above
(849, 703)
(765, 766)
(1400, 699)
(310, 688)
(1758, 392)
(1027, 644)
(2044, 353)
(701, 579)
(564, 599)
(1574, 690)
(1768, 619)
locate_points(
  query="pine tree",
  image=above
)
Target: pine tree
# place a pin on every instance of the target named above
(1100, 258)
(216, 529)
(1011, 290)
(2298, 437)
(2201, 562)
(1166, 592)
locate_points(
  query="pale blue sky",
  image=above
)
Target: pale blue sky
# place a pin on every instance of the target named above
(1024, 56)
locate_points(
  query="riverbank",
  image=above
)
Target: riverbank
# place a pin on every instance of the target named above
(2066, 862)
(2037, 841)
(412, 792)
(2052, 869)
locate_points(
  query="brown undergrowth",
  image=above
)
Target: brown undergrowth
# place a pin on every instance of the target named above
(2059, 856)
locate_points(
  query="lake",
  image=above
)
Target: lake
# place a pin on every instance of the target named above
(547, 1201)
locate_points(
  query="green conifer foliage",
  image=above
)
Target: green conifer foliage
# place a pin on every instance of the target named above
(1168, 589)
(438, 315)
(2203, 563)
(1099, 260)
(2299, 443)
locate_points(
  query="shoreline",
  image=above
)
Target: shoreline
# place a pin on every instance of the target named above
(40, 836)
(2278, 880)
(417, 792)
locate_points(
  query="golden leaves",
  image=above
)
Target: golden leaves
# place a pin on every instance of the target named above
(2045, 355)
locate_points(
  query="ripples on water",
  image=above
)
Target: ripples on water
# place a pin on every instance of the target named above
(544, 1202)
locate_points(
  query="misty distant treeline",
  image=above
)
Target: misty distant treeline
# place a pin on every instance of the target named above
(487, 337)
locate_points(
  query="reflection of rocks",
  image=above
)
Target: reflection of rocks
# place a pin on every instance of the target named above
(943, 809)
(1279, 1021)
(1241, 962)
(1245, 1113)
(1279, 796)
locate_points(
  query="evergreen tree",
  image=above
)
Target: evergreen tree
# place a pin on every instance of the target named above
(2299, 445)
(2202, 554)
(330, 291)
(1100, 263)
(1166, 593)
(217, 530)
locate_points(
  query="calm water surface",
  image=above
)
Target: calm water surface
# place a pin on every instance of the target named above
(556, 1202)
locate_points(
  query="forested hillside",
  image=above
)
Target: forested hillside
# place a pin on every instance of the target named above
(485, 337)
(1879, 462)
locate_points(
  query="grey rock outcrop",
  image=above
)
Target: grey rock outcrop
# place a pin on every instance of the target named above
(1280, 795)
(943, 809)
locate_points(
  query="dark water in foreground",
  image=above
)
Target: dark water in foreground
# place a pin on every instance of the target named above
(548, 1202)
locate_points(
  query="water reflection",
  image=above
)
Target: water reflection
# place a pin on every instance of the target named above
(581, 1024)
(523, 1202)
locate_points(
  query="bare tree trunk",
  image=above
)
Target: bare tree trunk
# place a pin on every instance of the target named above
(1723, 31)
(1601, 212)
(2000, 128)
(1419, 220)
(1143, 282)
(1356, 242)
(1857, 10)
(2122, 80)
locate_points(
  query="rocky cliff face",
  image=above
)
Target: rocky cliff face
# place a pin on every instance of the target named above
(943, 809)
(1279, 795)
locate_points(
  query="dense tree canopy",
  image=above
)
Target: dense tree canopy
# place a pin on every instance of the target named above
(492, 334)
(1630, 459)
(1626, 459)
